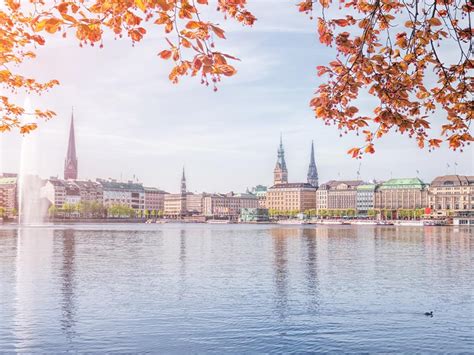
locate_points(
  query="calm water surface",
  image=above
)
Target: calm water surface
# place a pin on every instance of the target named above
(235, 288)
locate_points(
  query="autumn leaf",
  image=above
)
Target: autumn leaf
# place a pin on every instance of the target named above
(165, 54)
(227, 70)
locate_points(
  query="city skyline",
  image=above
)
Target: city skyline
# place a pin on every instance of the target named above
(298, 172)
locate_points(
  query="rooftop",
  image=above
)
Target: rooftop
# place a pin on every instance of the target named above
(7, 180)
(453, 180)
(293, 185)
(332, 184)
(126, 186)
(406, 183)
(366, 187)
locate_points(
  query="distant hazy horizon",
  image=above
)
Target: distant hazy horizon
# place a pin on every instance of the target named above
(130, 120)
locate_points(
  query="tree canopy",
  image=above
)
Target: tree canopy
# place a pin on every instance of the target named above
(393, 50)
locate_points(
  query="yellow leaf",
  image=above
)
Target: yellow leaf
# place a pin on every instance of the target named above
(140, 5)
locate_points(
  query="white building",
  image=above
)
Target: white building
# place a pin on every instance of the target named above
(123, 193)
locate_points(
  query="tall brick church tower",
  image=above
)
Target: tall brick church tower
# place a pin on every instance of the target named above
(70, 163)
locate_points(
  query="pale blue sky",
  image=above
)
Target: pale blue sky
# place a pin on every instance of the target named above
(130, 120)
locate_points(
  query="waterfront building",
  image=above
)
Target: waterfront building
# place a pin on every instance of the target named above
(261, 192)
(8, 194)
(128, 194)
(250, 215)
(59, 192)
(343, 194)
(70, 163)
(175, 205)
(365, 198)
(228, 205)
(90, 191)
(394, 194)
(280, 173)
(54, 191)
(450, 193)
(194, 203)
(154, 200)
(295, 197)
(73, 193)
(312, 170)
(322, 195)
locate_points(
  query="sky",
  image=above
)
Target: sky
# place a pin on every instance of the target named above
(131, 121)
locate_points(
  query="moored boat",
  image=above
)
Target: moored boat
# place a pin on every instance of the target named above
(292, 221)
(219, 221)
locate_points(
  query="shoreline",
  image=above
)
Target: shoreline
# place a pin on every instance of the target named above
(328, 222)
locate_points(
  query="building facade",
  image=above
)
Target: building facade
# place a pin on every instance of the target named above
(261, 192)
(228, 205)
(322, 196)
(343, 194)
(450, 193)
(90, 191)
(128, 194)
(297, 197)
(59, 192)
(394, 194)
(8, 195)
(54, 191)
(194, 203)
(154, 200)
(365, 198)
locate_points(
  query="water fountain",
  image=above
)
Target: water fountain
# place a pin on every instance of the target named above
(31, 210)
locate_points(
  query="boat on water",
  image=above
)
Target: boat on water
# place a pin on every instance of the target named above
(435, 222)
(364, 223)
(408, 223)
(219, 221)
(292, 222)
(384, 223)
(330, 221)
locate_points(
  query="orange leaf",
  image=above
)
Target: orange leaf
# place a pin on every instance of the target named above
(166, 54)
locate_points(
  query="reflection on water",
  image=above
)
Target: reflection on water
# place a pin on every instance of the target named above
(67, 252)
(280, 268)
(237, 288)
(310, 246)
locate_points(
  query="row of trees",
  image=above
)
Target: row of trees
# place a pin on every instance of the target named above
(86, 209)
(93, 209)
(273, 213)
(398, 214)
(351, 212)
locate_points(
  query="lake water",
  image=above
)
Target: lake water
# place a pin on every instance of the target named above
(236, 288)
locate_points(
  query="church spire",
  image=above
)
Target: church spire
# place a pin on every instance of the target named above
(312, 170)
(280, 173)
(183, 183)
(70, 163)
